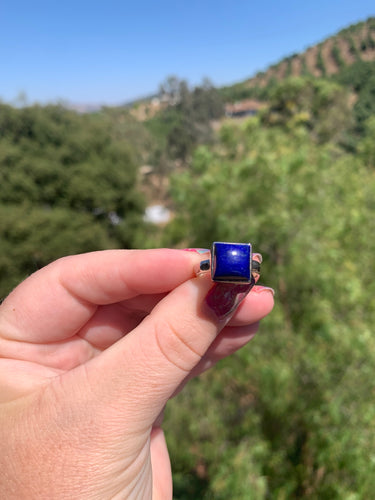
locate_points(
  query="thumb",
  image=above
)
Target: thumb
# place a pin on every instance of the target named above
(138, 374)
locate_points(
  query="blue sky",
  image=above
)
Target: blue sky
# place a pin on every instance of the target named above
(113, 51)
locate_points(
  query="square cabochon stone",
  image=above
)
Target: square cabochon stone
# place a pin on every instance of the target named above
(231, 262)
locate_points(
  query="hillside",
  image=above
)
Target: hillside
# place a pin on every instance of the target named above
(330, 57)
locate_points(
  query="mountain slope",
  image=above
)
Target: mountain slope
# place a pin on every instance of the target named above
(330, 57)
(355, 43)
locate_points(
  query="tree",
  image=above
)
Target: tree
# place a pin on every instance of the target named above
(71, 176)
(32, 236)
(336, 55)
(366, 147)
(322, 106)
(187, 119)
(360, 77)
(292, 413)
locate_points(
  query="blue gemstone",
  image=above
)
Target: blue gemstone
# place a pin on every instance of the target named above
(231, 262)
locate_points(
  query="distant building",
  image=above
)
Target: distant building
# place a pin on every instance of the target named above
(247, 107)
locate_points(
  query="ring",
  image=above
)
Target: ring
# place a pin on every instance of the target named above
(231, 263)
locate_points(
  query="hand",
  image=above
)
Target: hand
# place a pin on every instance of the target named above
(91, 349)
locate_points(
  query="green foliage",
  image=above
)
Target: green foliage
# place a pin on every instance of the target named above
(31, 237)
(354, 29)
(360, 77)
(288, 71)
(319, 105)
(130, 132)
(370, 41)
(336, 55)
(291, 415)
(371, 23)
(320, 62)
(56, 158)
(353, 48)
(353, 36)
(237, 92)
(366, 147)
(67, 185)
(243, 90)
(186, 121)
(367, 43)
(304, 68)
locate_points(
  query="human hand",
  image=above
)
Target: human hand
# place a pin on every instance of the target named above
(91, 349)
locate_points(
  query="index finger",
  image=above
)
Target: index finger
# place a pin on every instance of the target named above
(56, 301)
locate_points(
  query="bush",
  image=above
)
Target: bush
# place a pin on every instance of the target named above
(291, 414)
(68, 185)
(336, 56)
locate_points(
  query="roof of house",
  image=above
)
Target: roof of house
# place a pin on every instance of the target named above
(243, 106)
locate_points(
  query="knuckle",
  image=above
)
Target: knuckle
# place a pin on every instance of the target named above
(176, 344)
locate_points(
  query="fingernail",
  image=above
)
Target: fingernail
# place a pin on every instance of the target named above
(197, 250)
(261, 289)
(258, 256)
(224, 298)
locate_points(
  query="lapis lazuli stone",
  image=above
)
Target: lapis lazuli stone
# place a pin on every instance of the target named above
(231, 262)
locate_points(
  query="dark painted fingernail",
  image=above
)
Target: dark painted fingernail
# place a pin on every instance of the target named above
(224, 298)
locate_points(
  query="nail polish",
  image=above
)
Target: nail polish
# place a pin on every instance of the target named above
(224, 298)
(196, 250)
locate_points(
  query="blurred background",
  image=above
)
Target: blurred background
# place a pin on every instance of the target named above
(177, 124)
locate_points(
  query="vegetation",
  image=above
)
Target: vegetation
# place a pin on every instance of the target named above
(370, 42)
(320, 62)
(321, 106)
(67, 185)
(185, 121)
(292, 415)
(237, 92)
(336, 55)
(304, 69)
(360, 78)
(288, 71)
(359, 37)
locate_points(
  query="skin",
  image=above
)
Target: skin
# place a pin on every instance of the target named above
(91, 349)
